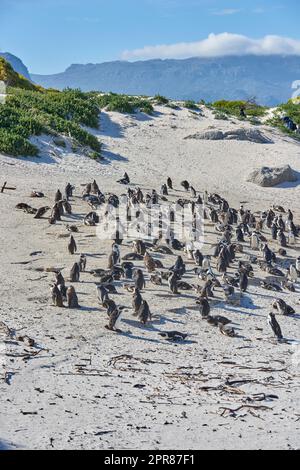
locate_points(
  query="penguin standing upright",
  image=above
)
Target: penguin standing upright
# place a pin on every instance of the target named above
(204, 307)
(170, 183)
(293, 273)
(72, 247)
(275, 326)
(144, 313)
(243, 282)
(172, 281)
(136, 301)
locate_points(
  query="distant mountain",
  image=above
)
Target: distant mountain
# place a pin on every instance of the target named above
(269, 78)
(16, 64)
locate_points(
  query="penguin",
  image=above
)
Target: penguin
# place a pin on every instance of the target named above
(293, 273)
(193, 192)
(55, 214)
(37, 194)
(82, 263)
(136, 301)
(41, 212)
(139, 247)
(268, 255)
(72, 247)
(128, 270)
(69, 191)
(172, 281)
(221, 265)
(112, 260)
(281, 307)
(91, 219)
(198, 257)
(227, 330)
(88, 189)
(102, 294)
(164, 190)
(239, 235)
(275, 326)
(110, 306)
(57, 297)
(60, 282)
(67, 207)
(185, 184)
(290, 216)
(170, 183)
(72, 228)
(144, 313)
(206, 291)
(95, 188)
(217, 320)
(58, 196)
(206, 263)
(75, 273)
(140, 283)
(243, 283)
(282, 239)
(72, 298)
(204, 307)
(179, 267)
(298, 264)
(254, 241)
(156, 279)
(125, 180)
(173, 335)
(114, 317)
(149, 262)
(274, 230)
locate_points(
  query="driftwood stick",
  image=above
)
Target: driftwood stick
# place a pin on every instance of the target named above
(249, 407)
(4, 187)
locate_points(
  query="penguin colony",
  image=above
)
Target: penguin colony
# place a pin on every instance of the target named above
(238, 231)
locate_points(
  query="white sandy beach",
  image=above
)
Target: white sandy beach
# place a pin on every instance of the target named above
(75, 394)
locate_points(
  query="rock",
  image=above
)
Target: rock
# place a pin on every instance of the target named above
(268, 177)
(250, 135)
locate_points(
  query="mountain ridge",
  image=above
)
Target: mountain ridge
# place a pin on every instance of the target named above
(268, 78)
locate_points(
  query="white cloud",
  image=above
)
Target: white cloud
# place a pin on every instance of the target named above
(217, 45)
(226, 12)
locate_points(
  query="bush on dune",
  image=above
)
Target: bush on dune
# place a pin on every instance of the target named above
(234, 108)
(28, 112)
(14, 144)
(160, 100)
(124, 103)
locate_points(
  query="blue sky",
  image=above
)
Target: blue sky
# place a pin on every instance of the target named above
(49, 35)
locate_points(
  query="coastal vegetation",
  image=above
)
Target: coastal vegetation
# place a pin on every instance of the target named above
(233, 108)
(29, 111)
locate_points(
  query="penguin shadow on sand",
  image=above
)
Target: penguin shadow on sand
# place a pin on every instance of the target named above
(163, 320)
(150, 327)
(246, 303)
(180, 295)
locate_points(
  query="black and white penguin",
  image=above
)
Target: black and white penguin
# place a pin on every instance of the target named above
(204, 307)
(275, 326)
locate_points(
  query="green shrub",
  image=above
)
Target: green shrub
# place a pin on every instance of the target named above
(124, 103)
(95, 155)
(26, 113)
(234, 108)
(14, 144)
(160, 100)
(190, 105)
